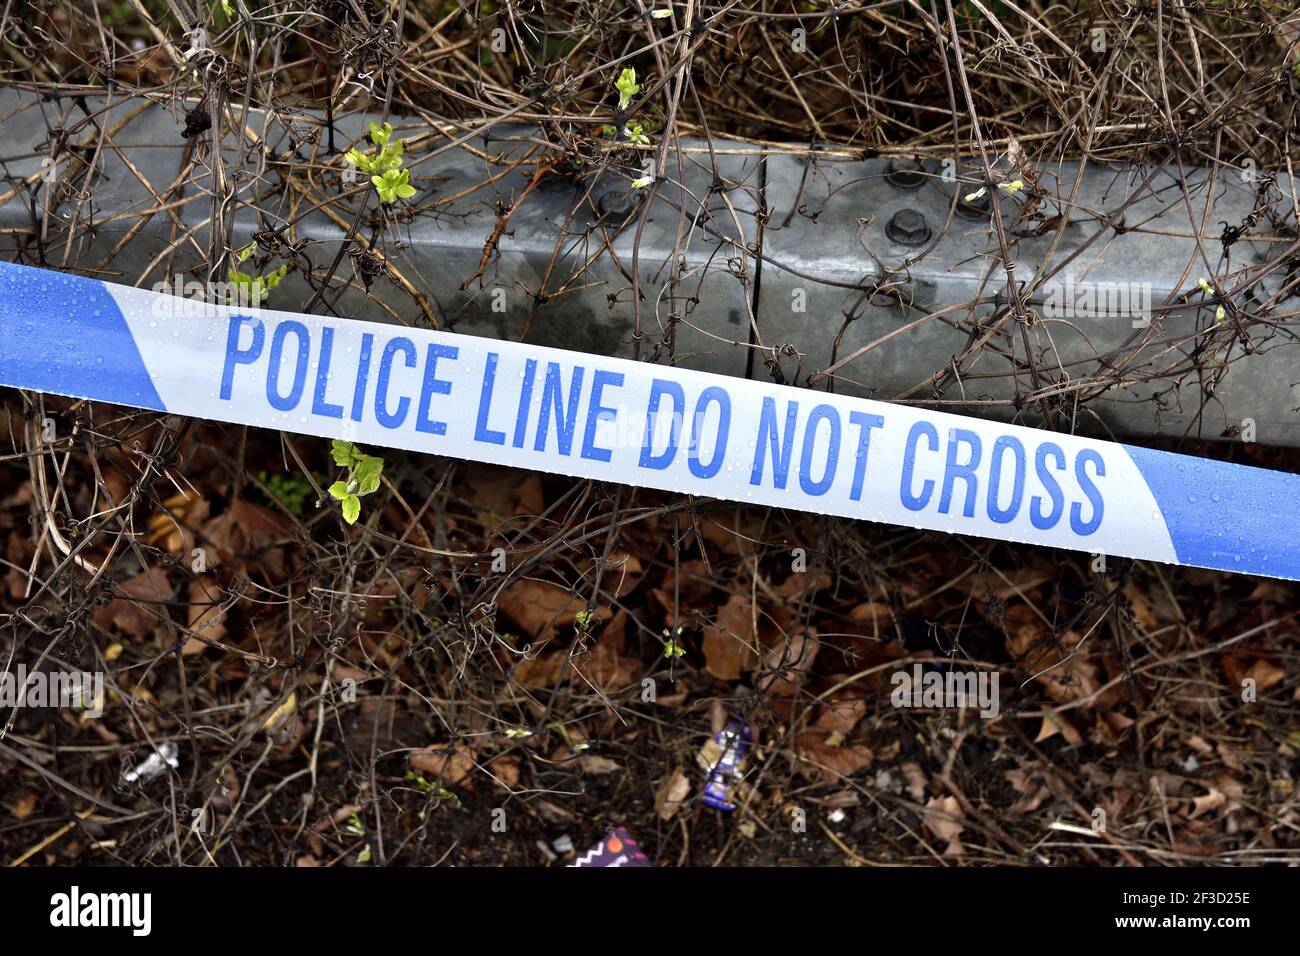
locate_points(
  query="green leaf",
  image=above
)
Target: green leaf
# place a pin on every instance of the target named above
(627, 87)
(366, 474)
(343, 452)
(390, 157)
(254, 289)
(380, 133)
(351, 508)
(273, 279)
(393, 185)
(367, 480)
(339, 490)
(360, 160)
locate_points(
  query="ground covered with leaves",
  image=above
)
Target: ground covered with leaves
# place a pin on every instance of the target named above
(492, 660)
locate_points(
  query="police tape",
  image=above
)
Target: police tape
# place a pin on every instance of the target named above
(592, 416)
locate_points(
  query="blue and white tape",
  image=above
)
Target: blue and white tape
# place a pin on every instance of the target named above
(592, 416)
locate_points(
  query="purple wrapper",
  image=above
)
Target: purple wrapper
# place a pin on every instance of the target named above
(733, 741)
(618, 849)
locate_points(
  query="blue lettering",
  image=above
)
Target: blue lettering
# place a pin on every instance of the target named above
(1000, 447)
(658, 389)
(815, 418)
(767, 438)
(1048, 480)
(914, 502)
(285, 402)
(318, 404)
(597, 413)
(964, 472)
(865, 422)
(552, 394)
(382, 414)
(433, 386)
(525, 400)
(481, 431)
(363, 375)
(237, 356)
(1079, 526)
(711, 394)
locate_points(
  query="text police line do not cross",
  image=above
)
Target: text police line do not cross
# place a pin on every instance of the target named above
(657, 426)
(563, 409)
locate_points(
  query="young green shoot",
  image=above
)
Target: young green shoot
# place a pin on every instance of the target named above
(362, 478)
(384, 166)
(253, 289)
(627, 87)
(673, 648)
(393, 184)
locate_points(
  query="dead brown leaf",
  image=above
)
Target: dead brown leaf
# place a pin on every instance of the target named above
(150, 587)
(171, 528)
(825, 758)
(672, 794)
(499, 494)
(542, 670)
(916, 781)
(1240, 667)
(1064, 669)
(872, 618)
(942, 817)
(541, 608)
(506, 771)
(841, 715)
(787, 664)
(451, 766)
(1213, 800)
(605, 664)
(1054, 724)
(24, 806)
(729, 644)
(798, 586)
(206, 616)
(596, 764)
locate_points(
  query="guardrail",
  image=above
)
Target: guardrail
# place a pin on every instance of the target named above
(878, 278)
